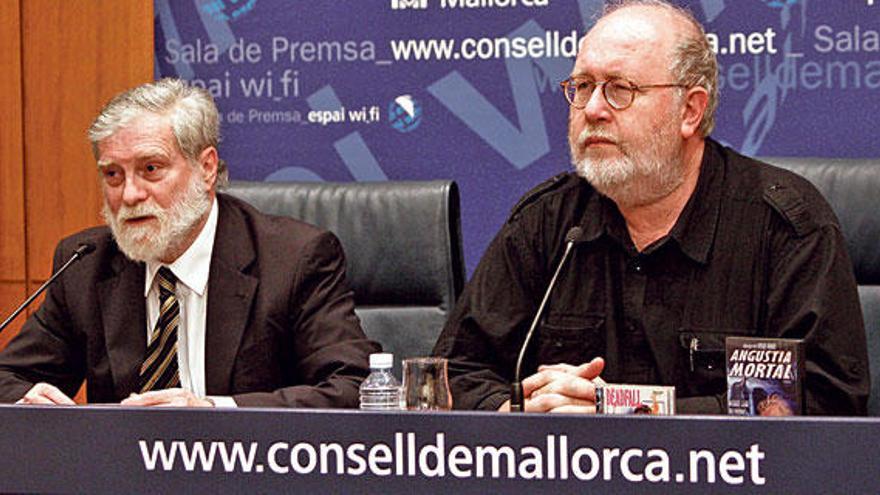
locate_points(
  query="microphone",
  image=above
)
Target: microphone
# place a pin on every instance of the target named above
(82, 250)
(517, 402)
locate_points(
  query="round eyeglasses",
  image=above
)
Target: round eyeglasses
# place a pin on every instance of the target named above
(619, 93)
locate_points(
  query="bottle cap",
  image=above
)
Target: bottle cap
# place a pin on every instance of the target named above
(381, 360)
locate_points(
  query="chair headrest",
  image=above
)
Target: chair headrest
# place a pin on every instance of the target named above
(402, 238)
(852, 188)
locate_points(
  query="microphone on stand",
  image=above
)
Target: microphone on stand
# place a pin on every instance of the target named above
(517, 403)
(81, 250)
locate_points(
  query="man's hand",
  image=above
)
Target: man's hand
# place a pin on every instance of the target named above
(561, 388)
(43, 393)
(171, 397)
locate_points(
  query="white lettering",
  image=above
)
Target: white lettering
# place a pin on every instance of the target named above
(460, 461)
(353, 454)
(729, 465)
(625, 470)
(326, 449)
(590, 473)
(439, 453)
(755, 456)
(709, 458)
(311, 458)
(379, 454)
(657, 469)
(532, 467)
(495, 454)
(273, 461)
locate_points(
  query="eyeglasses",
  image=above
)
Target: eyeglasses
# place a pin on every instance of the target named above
(619, 93)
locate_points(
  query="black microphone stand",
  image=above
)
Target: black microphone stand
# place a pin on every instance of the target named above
(81, 251)
(517, 402)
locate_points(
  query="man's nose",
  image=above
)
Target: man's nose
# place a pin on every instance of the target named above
(133, 191)
(597, 108)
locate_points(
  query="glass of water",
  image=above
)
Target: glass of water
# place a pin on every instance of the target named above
(426, 385)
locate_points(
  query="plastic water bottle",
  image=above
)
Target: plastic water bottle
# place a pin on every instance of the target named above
(381, 390)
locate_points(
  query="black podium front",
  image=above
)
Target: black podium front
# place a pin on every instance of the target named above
(117, 450)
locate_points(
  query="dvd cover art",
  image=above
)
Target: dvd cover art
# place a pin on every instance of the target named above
(635, 399)
(764, 377)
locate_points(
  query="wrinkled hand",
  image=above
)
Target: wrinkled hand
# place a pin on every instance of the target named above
(562, 388)
(171, 397)
(43, 393)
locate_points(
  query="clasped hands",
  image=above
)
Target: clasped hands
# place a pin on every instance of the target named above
(561, 388)
(44, 393)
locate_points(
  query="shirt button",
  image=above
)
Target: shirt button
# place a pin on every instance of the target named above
(637, 267)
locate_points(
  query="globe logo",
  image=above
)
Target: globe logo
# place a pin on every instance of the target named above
(405, 113)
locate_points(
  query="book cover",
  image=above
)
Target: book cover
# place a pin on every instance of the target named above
(764, 376)
(616, 398)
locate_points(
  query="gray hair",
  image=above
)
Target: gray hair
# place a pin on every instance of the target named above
(195, 121)
(693, 61)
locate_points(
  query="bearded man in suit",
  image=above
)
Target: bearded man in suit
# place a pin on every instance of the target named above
(191, 298)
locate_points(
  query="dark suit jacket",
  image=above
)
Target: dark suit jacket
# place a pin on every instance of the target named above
(280, 331)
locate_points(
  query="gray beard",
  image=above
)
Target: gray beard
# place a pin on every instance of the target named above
(176, 224)
(638, 177)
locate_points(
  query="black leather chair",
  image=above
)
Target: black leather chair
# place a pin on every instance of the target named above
(852, 187)
(402, 242)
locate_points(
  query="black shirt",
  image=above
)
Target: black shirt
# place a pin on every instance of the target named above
(756, 251)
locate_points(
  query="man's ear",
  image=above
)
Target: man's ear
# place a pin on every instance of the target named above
(695, 103)
(208, 162)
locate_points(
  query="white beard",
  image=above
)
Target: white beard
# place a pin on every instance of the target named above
(643, 173)
(175, 224)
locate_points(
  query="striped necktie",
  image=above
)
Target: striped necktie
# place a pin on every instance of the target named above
(159, 370)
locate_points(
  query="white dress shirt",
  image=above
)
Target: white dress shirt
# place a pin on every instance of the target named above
(191, 270)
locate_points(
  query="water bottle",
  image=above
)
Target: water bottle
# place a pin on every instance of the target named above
(381, 390)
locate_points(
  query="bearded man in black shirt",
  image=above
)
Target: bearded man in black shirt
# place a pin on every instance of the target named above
(683, 243)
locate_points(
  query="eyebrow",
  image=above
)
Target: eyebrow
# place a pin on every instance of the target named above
(146, 157)
(608, 76)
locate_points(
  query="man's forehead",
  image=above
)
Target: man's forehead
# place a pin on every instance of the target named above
(630, 39)
(648, 20)
(144, 136)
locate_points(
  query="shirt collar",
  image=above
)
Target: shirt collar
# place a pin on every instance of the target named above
(696, 226)
(603, 218)
(600, 215)
(694, 231)
(193, 266)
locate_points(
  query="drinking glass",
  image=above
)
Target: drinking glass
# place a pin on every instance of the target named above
(426, 385)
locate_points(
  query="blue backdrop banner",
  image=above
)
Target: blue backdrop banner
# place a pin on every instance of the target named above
(373, 90)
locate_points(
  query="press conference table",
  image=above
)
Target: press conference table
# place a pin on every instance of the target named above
(109, 449)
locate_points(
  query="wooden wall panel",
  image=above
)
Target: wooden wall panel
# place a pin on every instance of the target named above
(76, 55)
(59, 63)
(12, 234)
(11, 295)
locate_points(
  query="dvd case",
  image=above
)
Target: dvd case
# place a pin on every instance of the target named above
(616, 398)
(764, 376)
